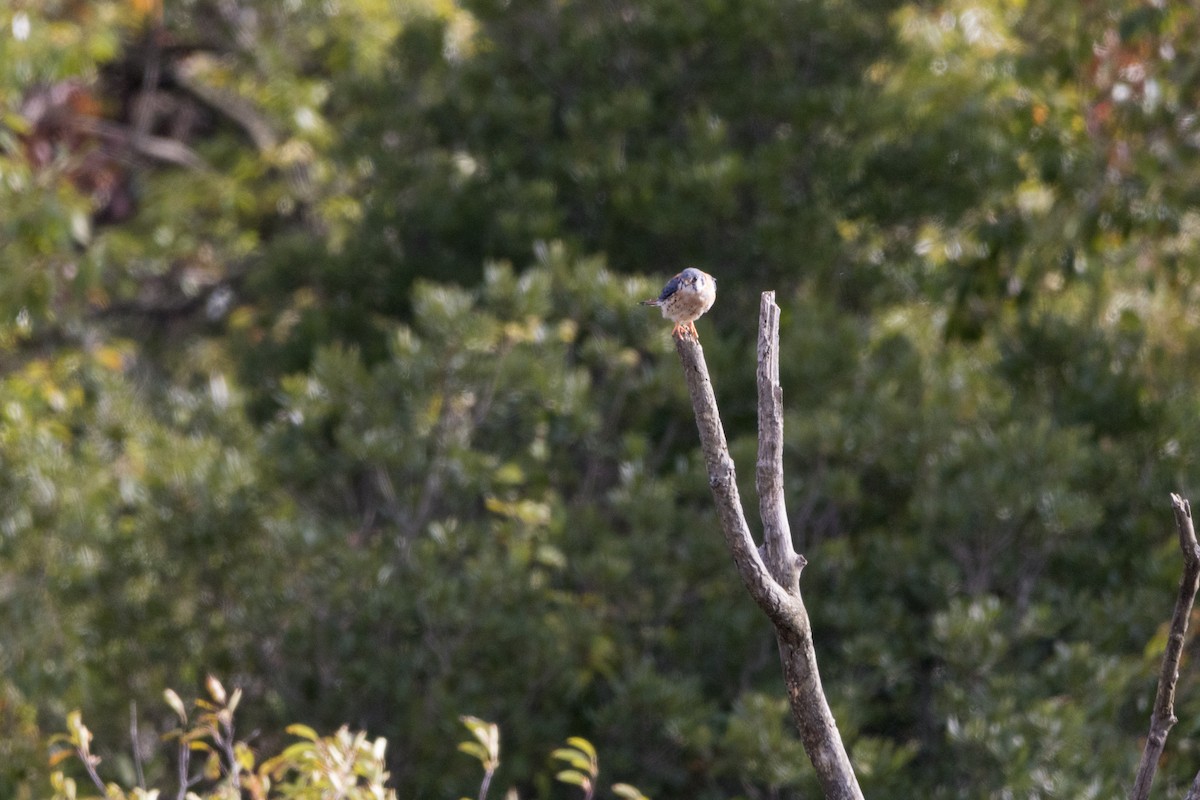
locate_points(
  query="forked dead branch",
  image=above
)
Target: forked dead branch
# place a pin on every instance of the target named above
(771, 573)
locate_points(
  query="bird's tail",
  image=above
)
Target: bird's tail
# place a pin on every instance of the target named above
(649, 302)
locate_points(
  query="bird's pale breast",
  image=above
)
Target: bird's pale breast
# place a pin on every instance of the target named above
(689, 303)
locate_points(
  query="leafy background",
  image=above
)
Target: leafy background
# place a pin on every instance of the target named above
(321, 369)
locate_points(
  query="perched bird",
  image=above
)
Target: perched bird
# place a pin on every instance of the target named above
(684, 299)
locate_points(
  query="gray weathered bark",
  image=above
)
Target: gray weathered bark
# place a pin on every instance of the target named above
(771, 573)
(1163, 717)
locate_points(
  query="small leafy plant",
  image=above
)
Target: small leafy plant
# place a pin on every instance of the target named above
(486, 748)
(346, 765)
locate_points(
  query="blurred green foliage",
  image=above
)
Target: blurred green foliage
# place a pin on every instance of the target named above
(321, 368)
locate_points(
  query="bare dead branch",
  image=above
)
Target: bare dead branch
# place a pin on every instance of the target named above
(1194, 792)
(773, 583)
(778, 551)
(722, 479)
(1163, 717)
(155, 147)
(242, 112)
(259, 128)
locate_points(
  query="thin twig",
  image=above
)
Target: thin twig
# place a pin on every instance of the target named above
(222, 735)
(1163, 717)
(143, 111)
(487, 782)
(134, 741)
(182, 773)
(89, 764)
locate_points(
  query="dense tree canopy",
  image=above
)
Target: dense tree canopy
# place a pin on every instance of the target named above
(321, 369)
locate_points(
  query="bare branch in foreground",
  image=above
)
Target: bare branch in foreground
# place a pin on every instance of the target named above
(1163, 716)
(771, 574)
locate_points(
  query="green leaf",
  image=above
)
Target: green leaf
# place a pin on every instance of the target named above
(488, 734)
(474, 749)
(234, 699)
(476, 725)
(215, 690)
(58, 756)
(573, 757)
(303, 731)
(176, 704)
(15, 122)
(574, 777)
(584, 745)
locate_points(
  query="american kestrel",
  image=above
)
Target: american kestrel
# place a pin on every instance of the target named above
(684, 300)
